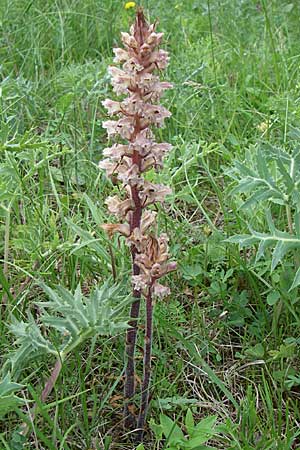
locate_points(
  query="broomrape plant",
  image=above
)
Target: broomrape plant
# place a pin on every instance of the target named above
(135, 153)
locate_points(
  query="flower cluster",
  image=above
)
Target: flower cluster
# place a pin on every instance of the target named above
(136, 152)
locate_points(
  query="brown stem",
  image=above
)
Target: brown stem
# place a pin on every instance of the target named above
(129, 387)
(131, 335)
(46, 391)
(147, 367)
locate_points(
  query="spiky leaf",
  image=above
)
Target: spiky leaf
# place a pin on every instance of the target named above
(8, 400)
(73, 317)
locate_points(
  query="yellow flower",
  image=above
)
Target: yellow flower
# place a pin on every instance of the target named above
(129, 5)
(263, 126)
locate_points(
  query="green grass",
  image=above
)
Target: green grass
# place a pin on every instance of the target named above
(235, 69)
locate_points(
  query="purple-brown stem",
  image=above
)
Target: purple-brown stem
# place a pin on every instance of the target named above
(49, 385)
(147, 367)
(129, 387)
(131, 335)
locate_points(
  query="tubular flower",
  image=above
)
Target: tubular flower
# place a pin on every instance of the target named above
(134, 116)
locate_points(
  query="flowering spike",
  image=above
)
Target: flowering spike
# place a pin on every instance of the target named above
(127, 161)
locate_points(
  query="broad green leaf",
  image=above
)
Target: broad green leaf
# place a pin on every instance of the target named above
(171, 430)
(189, 422)
(207, 424)
(273, 298)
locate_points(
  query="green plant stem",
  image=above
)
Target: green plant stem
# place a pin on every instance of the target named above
(6, 241)
(147, 367)
(272, 41)
(289, 218)
(6, 249)
(212, 40)
(291, 231)
(113, 263)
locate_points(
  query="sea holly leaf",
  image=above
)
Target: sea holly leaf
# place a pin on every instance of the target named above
(269, 175)
(296, 281)
(281, 241)
(8, 400)
(7, 386)
(279, 253)
(30, 343)
(72, 317)
(270, 221)
(244, 240)
(297, 223)
(262, 247)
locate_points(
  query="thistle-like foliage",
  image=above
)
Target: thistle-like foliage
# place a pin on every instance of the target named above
(134, 153)
(128, 161)
(268, 184)
(75, 318)
(8, 400)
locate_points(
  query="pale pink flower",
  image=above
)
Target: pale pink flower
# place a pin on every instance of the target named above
(132, 65)
(154, 114)
(160, 58)
(110, 126)
(160, 291)
(154, 156)
(154, 39)
(128, 40)
(121, 80)
(120, 55)
(109, 166)
(112, 228)
(153, 193)
(117, 151)
(118, 207)
(137, 238)
(148, 219)
(132, 176)
(140, 282)
(124, 127)
(111, 106)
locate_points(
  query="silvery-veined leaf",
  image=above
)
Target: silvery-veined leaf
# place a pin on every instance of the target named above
(8, 400)
(72, 317)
